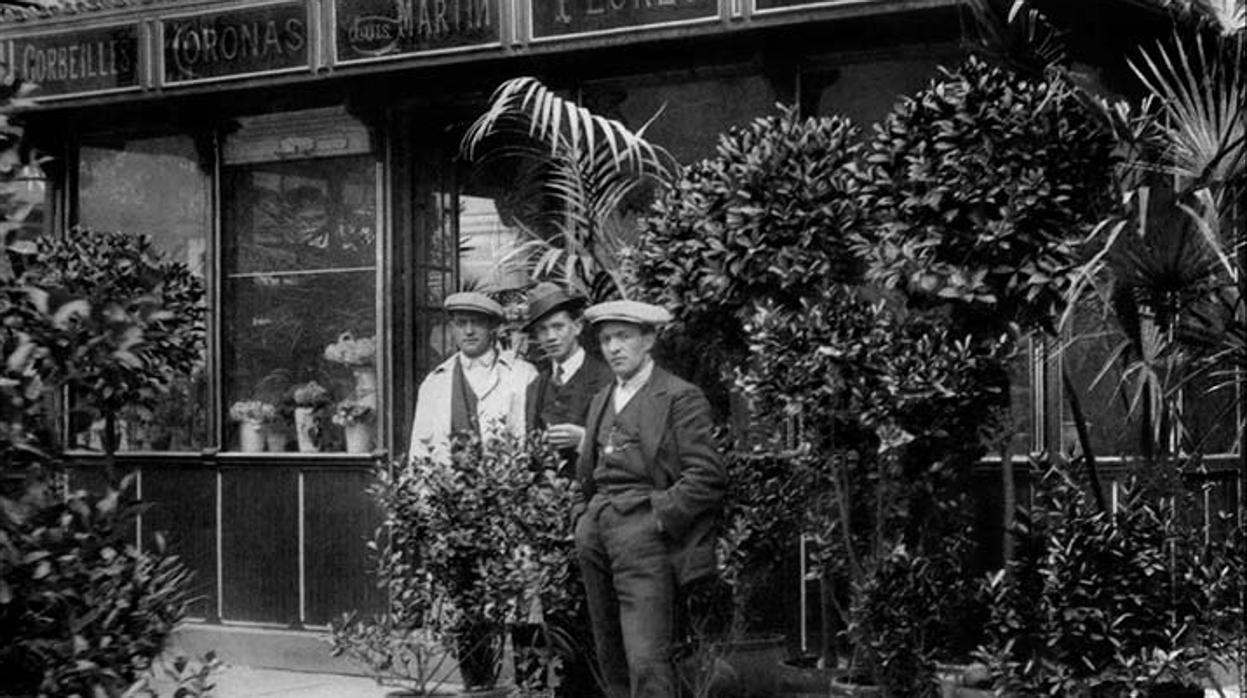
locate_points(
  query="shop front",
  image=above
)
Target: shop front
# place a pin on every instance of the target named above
(302, 157)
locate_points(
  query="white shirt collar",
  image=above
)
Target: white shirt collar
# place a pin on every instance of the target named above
(485, 360)
(571, 365)
(626, 389)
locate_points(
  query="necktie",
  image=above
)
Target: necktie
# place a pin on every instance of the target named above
(558, 374)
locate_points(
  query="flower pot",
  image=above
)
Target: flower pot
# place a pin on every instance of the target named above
(963, 681)
(307, 429)
(358, 437)
(366, 383)
(803, 678)
(754, 664)
(276, 439)
(854, 690)
(251, 436)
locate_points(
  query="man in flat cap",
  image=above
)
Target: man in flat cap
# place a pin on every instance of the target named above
(476, 391)
(558, 401)
(651, 484)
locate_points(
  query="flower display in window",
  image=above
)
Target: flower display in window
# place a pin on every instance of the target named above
(311, 394)
(351, 351)
(350, 412)
(252, 411)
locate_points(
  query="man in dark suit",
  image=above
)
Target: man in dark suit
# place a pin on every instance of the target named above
(651, 484)
(557, 405)
(558, 400)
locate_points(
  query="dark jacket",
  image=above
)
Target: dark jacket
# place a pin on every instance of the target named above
(593, 375)
(685, 468)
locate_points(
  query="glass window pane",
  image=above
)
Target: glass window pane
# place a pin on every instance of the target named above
(1112, 425)
(299, 267)
(155, 187)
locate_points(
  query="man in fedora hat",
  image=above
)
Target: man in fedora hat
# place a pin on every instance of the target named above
(558, 401)
(477, 391)
(651, 484)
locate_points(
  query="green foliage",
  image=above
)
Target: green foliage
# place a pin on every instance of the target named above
(760, 524)
(469, 544)
(589, 172)
(861, 375)
(107, 318)
(914, 610)
(83, 611)
(978, 190)
(768, 217)
(1104, 603)
(893, 409)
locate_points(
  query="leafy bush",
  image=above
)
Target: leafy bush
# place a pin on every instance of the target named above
(469, 544)
(913, 610)
(82, 610)
(111, 320)
(767, 218)
(978, 190)
(1105, 603)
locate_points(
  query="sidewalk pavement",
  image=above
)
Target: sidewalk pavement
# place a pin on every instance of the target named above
(245, 682)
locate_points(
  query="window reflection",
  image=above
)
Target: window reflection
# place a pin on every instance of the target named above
(154, 187)
(299, 251)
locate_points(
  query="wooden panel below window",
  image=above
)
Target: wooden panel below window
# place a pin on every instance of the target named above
(182, 508)
(260, 544)
(340, 517)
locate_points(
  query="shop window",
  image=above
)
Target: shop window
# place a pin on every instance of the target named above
(155, 187)
(1114, 427)
(299, 274)
(691, 113)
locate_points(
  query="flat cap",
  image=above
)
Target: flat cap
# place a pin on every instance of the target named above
(635, 312)
(546, 298)
(474, 302)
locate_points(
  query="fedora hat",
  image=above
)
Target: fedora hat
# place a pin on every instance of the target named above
(546, 298)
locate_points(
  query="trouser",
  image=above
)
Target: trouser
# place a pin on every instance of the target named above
(630, 589)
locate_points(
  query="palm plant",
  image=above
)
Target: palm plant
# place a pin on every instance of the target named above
(589, 166)
(1169, 266)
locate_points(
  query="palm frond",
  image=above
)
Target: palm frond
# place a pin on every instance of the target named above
(1202, 95)
(562, 126)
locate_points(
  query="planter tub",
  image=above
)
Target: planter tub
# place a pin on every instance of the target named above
(803, 678)
(755, 665)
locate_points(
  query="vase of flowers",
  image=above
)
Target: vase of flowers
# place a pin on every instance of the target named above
(251, 416)
(309, 399)
(356, 419)
(361, 356)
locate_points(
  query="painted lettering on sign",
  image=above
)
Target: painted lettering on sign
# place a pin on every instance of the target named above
(241, 42)
(88, 61)
(558, 17)
(377, 28)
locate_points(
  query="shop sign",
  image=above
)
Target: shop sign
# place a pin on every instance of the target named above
(765, 5)
(88, 61)
(560, 18)
(235, 43)
(375, 29)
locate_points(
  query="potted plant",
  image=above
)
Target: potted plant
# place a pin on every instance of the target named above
(251, 416)
(360, 356)
(309, 399)
(356, 417)
(1112, 603)
(470, 544)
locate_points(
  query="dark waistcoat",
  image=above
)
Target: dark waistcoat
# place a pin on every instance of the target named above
(620, 463)
(463, 414)
(568, 403)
